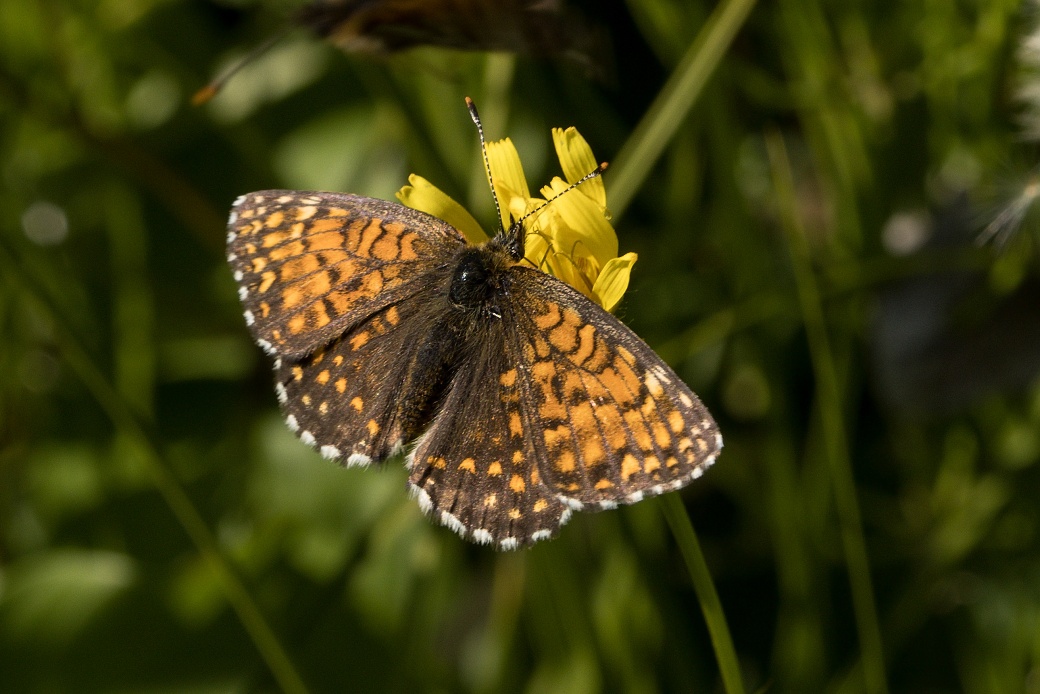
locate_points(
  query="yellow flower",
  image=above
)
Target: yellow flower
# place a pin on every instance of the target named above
(571, 238)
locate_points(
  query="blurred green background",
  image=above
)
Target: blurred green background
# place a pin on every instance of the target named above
(807, 262)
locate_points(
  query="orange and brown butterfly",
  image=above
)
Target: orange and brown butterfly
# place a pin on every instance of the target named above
(540, 28)
(516, 398)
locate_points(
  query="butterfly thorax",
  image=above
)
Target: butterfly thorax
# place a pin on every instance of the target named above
(480, 277)
(477, 283)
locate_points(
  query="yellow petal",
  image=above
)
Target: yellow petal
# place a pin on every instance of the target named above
(584, 229)
(563, 269)
(537, 251)
(424, 196)
(577, 160)
(613, 281)
(507, 176)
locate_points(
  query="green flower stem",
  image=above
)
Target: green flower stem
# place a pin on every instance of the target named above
(131, 425)
(711, 606)
(642, 149)
(832, 427)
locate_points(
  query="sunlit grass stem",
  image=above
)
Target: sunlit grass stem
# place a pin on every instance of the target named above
(668, 111)
(707, 596)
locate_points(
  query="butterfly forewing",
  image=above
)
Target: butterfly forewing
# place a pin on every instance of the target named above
(311, 265)
(611, 421)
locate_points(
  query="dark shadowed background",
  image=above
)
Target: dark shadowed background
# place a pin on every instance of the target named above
(807, 263)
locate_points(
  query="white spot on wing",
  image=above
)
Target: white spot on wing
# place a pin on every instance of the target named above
(232, 218)
(330, 452)
(292, 423)
(249, 321)
(238, 275)
(659, 489)
(608, 504)
(634, 497)
(239, 200)
(482, 536)
(307, 437)
(425, 503)
(231, 235)
(571, 503)
(243, 292)
(452, 522)
(358, 460)
(541, 535)
(279, 390)
(409, 460)
(508, 544)
(264, 344)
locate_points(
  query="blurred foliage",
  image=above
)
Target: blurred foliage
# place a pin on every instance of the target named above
(141, 453)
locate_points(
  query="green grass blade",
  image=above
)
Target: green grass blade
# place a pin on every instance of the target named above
(711, 606)
(128, 423)
(642, 149)
(832, 427)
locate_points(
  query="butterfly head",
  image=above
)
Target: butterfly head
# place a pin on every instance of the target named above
(513, 240)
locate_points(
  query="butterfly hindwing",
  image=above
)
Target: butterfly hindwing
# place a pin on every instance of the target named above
(558, 406)
(473, 470)
(312, 265)
(366, 394)
(611, 421)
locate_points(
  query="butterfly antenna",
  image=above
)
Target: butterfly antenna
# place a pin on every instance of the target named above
(204, 95)
(589, 176)
(483, 151)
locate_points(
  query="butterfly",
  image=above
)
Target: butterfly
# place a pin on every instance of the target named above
(514, 398)
(541, 28)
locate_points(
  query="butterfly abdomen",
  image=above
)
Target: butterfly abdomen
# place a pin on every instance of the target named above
(431, 367)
